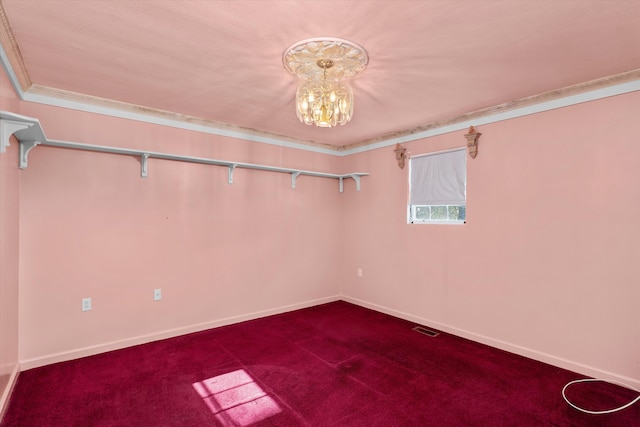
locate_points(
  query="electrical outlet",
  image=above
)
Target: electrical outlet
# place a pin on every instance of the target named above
(157, 294)
(86, 304)
(359, 272)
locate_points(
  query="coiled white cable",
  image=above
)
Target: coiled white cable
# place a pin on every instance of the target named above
(608, 411)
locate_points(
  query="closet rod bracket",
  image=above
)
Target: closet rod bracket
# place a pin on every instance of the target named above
(25, 147)
(294, 176)
(231, 169)
(356, 178)
(8, 128)
(144, 165)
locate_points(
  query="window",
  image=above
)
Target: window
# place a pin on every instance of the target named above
(437, 187)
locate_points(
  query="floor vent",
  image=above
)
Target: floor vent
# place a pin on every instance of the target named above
(426, 331)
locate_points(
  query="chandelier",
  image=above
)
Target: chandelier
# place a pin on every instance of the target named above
(324, 65)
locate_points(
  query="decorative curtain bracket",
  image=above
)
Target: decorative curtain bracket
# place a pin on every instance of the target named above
(401, 155)
(472, 141)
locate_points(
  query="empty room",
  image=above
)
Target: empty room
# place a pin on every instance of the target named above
(319, 213)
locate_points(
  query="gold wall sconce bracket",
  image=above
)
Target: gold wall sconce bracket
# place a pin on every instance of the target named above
(472, 141)
(401, 155)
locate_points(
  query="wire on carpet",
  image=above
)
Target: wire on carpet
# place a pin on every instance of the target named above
(608, 411)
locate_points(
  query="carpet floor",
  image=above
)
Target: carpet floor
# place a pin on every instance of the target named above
(335, 364)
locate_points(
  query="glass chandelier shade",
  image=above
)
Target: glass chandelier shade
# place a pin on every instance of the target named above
(324, 103)
(324, 66)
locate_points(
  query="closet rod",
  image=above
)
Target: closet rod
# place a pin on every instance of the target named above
(30, 134)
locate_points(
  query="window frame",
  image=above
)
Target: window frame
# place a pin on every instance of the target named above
(411, 209)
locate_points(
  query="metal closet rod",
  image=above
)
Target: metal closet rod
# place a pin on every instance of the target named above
(29, 133)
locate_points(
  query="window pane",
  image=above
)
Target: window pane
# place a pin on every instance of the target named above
(438, 212)
(422, 212)
(456, 213)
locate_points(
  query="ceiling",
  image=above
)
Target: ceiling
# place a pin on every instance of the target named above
(220, 62)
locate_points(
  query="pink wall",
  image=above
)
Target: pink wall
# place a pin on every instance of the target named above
(547, 264)
(92, 227)
(9, 202)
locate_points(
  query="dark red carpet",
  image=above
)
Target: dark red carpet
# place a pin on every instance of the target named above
(332, 365)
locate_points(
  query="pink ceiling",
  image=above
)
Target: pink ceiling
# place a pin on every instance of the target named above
(222, 60)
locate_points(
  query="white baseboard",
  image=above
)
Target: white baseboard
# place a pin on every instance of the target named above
(6, 394)
(170, 333)
(512, 348)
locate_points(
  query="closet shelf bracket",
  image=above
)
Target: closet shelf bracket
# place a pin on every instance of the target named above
(8, 128)
(231, 169)
(25, 147)
(356, 178)
(144, 165)
(294, 176)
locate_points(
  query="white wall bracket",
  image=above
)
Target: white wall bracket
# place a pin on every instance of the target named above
(29, 133)
(231, 169)
(294, 176)
(25, 147)
(356, 178)
(144, 165)
(8, 128)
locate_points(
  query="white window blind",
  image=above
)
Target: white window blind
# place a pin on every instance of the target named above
(439, 178)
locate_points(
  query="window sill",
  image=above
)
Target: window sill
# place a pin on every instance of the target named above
(438, 222)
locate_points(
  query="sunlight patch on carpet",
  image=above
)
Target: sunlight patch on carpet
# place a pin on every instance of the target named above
(235, 399)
